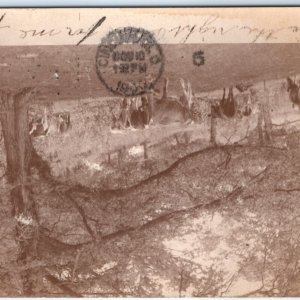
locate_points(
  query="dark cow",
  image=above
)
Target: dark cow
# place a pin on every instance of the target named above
(141, 117)
(38, 127)
(293, 90)
(64, 121)
(134, 113)
(150, 109)
(241, 87)
(228, 107)
(166, 110)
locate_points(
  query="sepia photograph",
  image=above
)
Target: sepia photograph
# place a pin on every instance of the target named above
(150, 152)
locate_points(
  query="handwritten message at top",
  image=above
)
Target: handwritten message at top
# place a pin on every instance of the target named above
(88, 26)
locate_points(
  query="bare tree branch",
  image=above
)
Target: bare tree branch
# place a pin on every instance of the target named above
(81, 212)
(62, 286)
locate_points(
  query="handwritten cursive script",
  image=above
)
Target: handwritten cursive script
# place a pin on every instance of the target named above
(205, 30)
(209, 27)
(26, 33)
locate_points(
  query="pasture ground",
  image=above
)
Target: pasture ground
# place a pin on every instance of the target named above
(191, 220)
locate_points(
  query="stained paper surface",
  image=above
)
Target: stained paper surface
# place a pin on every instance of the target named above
(150, 152)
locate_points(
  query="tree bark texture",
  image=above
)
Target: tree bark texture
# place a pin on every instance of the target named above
(14, 120)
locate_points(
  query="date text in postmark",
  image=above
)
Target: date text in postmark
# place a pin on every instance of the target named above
(129, 61)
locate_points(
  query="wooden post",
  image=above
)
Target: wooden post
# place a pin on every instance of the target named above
(151, 106)
(121, 155)
(213, 126)
(260, 125)
(145, 150)
(264, 115)
(165, 89)
(267, 114)
(256, 99)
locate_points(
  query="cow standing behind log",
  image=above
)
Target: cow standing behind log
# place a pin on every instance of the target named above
(229, 108)
(151, 109)
(133, 113)
(167, 110)
(49, 124)
(140, 118)
(293, 90)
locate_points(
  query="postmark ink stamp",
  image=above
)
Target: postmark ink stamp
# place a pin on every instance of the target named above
(129, 61)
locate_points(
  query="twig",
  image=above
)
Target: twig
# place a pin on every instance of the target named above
(180, 283)
(287, 190)
(81, 212)
(285, 123)
(62, 286)
(76, 263)
(227, 160)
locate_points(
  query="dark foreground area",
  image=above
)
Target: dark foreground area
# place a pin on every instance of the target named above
(221, 221)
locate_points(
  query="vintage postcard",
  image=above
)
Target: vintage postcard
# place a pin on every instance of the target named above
(150, 152)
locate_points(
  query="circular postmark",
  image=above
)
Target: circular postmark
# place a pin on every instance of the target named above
(129, 61)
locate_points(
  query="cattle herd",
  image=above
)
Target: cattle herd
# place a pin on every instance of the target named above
(151, 108)
(56, 123)
(154, 108)
(139, 112)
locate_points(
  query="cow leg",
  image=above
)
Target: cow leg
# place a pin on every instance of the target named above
(145, 150)
(129, 119)
(151, 107)
(124, 119)
(145, 115)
